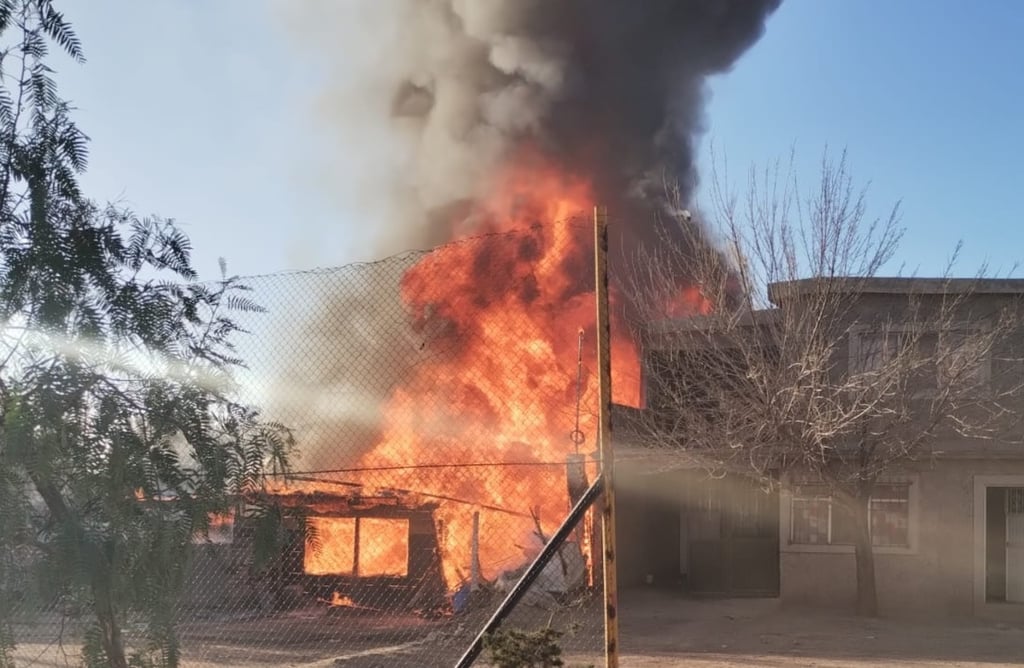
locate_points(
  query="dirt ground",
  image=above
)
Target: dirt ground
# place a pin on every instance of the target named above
(657, 630)
(663, 630)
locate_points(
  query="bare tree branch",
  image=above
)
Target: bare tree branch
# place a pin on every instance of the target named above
(797, 358)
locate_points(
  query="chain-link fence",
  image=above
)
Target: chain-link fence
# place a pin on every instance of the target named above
(444, 409)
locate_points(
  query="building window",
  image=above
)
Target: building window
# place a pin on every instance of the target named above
(818, 519)
(359, 546)
(890, 516)
(871, 350)
(383, 547)
(330, 546)
(962, 356)
(957, 354)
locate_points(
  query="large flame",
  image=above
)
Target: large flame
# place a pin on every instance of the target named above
(501, 318)
(330, 550)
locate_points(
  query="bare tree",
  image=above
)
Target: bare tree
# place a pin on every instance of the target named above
(774, 349)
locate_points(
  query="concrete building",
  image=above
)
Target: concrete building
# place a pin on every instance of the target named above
(947, 527)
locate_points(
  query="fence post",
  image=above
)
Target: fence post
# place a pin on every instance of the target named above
(611, 603)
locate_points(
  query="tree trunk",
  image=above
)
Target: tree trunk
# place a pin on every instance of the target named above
(864, 556)
(110, 632)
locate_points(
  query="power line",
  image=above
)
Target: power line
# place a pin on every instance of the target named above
(402, 467)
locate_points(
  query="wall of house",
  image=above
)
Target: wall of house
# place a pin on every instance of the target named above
(934, 577)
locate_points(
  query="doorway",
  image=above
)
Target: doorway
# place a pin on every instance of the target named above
(1004, 544)
(729, 542)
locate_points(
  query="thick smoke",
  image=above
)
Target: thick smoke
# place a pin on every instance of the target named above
(428, 98)
(431, 95)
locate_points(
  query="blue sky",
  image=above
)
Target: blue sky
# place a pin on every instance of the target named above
(199, 112)
(928, 98)
(204, 112)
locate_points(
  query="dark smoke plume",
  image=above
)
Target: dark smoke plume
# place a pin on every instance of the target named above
(429, 97)
(432, 94)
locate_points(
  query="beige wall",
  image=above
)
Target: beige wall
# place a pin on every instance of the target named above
(936, 576)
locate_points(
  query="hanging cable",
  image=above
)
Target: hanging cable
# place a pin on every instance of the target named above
(576, 436)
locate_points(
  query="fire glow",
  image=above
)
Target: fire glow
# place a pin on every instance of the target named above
(501, 316)
(689, 301)
(363, 547)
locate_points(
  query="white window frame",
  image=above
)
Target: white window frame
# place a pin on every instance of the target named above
(786, 498)
(794, 498)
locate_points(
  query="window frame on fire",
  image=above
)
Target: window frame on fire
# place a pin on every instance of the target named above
(786, 525)
(357, 544)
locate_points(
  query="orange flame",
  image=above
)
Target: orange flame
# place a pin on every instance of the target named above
(505, 391)
(330, 546)
(689, 301)
(501, 316)
(365, 547)
(383, 547)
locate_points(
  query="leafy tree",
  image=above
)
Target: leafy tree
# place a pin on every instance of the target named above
(513, 648)
(120, 437)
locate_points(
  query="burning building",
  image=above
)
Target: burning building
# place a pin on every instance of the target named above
(372, 550)
(338, 546)
(344, 547)
(461, 376)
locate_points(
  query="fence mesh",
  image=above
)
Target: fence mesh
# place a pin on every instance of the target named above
(444, 409)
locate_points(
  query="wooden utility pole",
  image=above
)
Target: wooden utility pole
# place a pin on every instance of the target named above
(604, 436)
